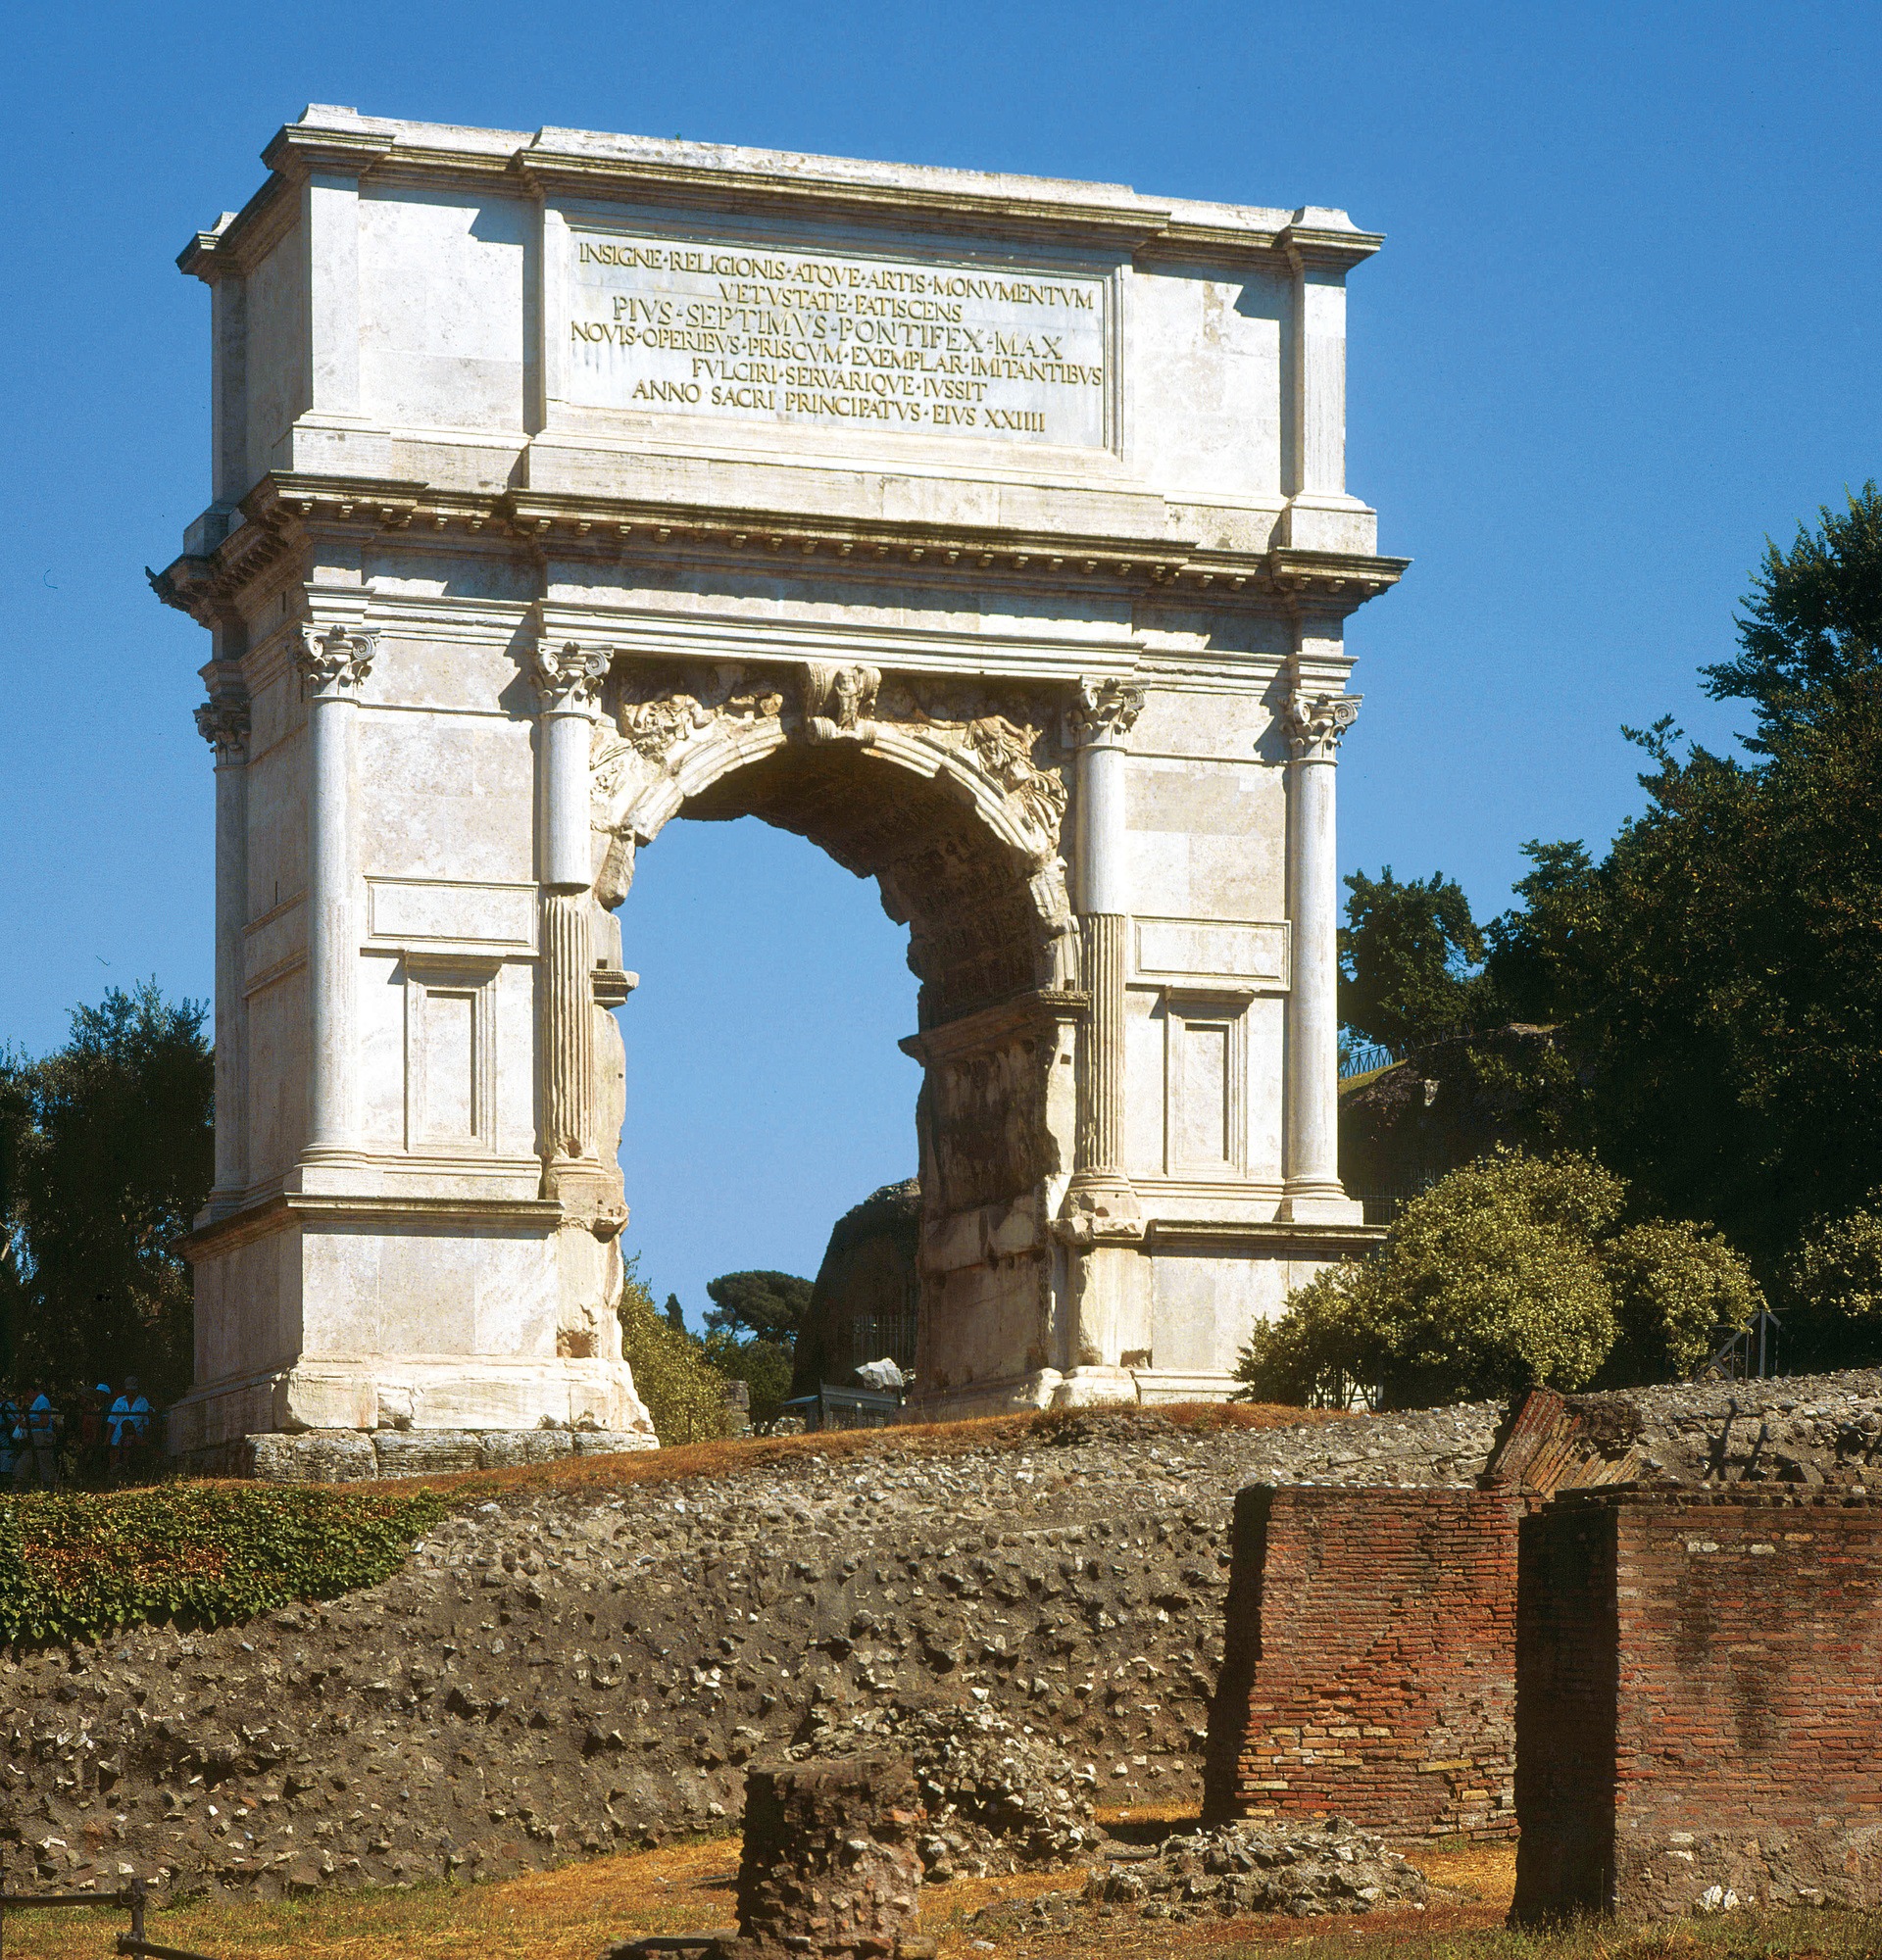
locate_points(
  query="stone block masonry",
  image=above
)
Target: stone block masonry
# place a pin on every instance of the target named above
(1369, 1663)
(1699, 1713)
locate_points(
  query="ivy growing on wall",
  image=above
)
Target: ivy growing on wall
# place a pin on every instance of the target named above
(78, 1566)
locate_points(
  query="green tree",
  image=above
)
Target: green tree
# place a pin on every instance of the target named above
(1812, 626)
(1679, 1290)
(768, 1305)
(1407, 952)
(1508, 1274)
(1830, 1292)
(684, 1394)
(763, 1366)
(108, 1157)
(1716, 979)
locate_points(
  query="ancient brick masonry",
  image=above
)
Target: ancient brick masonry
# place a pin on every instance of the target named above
(829, 1863)
(1699, 1702)
(1371, 1660)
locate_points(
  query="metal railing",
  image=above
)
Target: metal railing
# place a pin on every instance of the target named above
(132, 1899)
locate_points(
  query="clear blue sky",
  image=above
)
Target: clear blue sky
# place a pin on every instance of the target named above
(1624, 325)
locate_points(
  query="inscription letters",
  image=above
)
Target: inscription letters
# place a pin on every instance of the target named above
(780, 337)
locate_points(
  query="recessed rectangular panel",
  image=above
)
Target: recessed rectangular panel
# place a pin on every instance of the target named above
(1205, 949)
(415, 910)
(718, 332)
(1201, 1092)
(450, 1064)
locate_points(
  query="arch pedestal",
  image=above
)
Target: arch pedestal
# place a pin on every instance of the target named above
(1019, 586)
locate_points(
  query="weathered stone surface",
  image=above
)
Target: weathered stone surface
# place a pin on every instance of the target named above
(316, 1456)
(1305, 1872)
(424, 1453)
(998, 1795)
(610, 1441)
(503, 1448)
(829, 1864)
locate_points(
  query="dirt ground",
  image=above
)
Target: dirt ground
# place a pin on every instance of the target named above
(580, 1910)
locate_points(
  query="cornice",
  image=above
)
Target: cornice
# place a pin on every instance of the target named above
(555, 163)
(285, 511)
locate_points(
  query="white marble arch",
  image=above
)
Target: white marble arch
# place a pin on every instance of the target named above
(991, 531)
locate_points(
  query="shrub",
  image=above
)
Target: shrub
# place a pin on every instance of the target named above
(75, 1566)
(763, 1366)
(1679, 1290)
(1505, 1275)
(684, 1394)
(1831, 1292)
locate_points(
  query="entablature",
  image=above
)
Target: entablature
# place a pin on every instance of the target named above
(283, 513)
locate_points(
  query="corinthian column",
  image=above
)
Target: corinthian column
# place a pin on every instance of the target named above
(1100, 1199)
(333, 666)
(223, 722)
(568, 687)
(1315, 723)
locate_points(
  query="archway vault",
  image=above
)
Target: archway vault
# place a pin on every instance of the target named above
(951, 794)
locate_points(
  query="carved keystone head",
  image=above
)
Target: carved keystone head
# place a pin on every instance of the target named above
(839, 702)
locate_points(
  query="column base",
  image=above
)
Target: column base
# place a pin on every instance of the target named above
(409, 1392)
(1099, 1205)
(1319, 1205)
(1095, 1387)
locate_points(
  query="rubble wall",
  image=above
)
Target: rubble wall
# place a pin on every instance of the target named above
(1369, 1670)
(1700, 1702)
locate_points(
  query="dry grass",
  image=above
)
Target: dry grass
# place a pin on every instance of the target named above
(576, 1912)
(748, 1456)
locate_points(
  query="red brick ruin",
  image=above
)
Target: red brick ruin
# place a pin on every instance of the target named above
(1699, 1702)
(1675, 1695)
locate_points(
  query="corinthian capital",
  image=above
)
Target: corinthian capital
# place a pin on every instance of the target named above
(1316, 722)
(335, 662)
(223, 722)
(1106, 712)
(568, 676)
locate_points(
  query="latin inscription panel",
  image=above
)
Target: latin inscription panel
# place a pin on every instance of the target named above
(722, 333)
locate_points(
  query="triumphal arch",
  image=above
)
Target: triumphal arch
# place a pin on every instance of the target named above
(990, 532)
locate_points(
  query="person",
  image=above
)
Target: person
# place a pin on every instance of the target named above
(92, 1461)
(130, 1421)
(42, 1434)
(12, 1438)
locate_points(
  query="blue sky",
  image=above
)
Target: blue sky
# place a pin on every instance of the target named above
(1622, 328)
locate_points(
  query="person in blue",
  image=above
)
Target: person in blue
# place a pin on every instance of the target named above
(42, 1438)
(12, 1438)
(129, 1422)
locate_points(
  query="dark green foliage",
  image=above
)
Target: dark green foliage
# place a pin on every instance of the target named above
(106, 1156)
(684, 1394)
(1405, 953)
(673, 1313)
(1508, 1274)
(1716, 979)
(1830, 1293)
(770, 1305)
(77, 1566)
(1812, 626)
(763, 1366)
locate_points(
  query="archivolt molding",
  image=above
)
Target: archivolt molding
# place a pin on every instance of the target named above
(665, 735)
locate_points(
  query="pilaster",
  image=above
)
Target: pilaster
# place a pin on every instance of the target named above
(567, 678)
(333, 665)
(1315, 719)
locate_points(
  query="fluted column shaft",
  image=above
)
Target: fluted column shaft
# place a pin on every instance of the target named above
(568, 682)
(223, 722)
(1100, 728)
(333, 665)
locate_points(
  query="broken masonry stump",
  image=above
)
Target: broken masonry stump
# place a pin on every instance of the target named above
(830, 1869)
(829, 1865)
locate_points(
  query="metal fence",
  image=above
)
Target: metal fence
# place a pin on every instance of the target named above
(131, 1899)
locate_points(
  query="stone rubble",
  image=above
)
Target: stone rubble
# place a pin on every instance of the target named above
(1304, 1872)
(999, 1795)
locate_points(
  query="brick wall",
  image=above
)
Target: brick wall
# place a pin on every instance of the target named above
(1370, 1660)
(1700, 1702)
